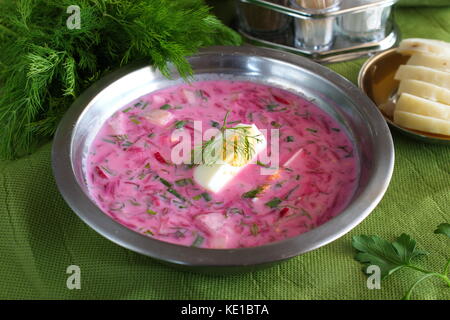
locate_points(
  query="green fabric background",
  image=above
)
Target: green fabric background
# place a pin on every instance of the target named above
(41, 236)
(417, 3)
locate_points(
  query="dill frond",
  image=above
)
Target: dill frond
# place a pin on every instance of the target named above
(44, 65)
(234, 145)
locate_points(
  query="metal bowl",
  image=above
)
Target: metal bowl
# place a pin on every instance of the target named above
(376, 79)
(337, 96)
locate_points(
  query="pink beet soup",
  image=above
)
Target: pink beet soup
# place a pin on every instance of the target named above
(132, 179)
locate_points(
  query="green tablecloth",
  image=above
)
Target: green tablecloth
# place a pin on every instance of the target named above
(41, 236)
(423, 3)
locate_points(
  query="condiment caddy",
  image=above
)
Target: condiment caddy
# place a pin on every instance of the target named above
(324, 30)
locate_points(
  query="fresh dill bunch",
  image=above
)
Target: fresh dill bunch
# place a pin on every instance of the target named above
(44, 65)
(232, 145)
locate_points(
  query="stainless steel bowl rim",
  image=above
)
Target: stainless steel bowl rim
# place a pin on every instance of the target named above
(357, 211)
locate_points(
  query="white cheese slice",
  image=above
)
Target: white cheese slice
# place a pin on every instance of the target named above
(425, 90)
(424, 107)
(430, 61)
(422, 123)
(439, 78)
(216, 176)
(427, 46)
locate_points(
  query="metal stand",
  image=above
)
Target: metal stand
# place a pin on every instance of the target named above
(346, 45)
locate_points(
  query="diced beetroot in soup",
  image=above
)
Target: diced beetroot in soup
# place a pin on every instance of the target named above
(133, 178)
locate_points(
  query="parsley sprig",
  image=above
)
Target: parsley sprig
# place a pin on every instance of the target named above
(391, 257)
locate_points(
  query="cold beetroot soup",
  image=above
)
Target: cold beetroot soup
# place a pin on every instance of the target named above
(133, 178)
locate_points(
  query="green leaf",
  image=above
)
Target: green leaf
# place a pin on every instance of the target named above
(166, 107)
(180, 124)
(276, 124)
(206, 196)
(134, 203)
(134, 120)
(443, 228)
(198, 241)
(252, 193)
(184, 182)
(289, 139)
(272, 107)
(388, 256)
(274, 203)
(165, 182)
(261, 164)
(176, 194)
